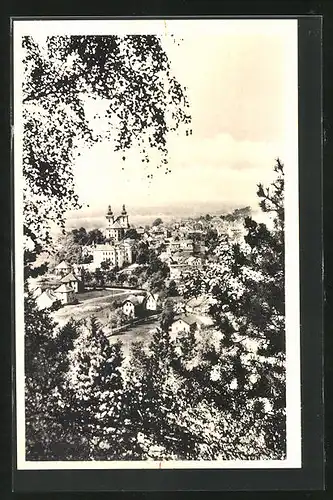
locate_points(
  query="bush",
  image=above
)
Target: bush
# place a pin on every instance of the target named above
(56, 305)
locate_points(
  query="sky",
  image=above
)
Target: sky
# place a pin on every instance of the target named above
(241, 80)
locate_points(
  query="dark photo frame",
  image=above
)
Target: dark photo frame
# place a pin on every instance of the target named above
(310, 476)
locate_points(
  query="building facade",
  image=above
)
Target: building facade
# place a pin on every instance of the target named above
(118, 254)
(116, 226)
(116, 250)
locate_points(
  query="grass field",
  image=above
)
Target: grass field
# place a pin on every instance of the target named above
(92, 294)
(137, 333)
(91, 303)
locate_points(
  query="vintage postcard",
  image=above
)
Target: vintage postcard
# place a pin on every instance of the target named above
(156, 244)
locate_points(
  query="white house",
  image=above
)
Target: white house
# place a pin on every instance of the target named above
(176, 271)
(137, 305)
(118, 254)
(72, 281)
(185, 323)
(46, 299)
(151, 302)
(134, 306)
(65, 294)
(63, 268)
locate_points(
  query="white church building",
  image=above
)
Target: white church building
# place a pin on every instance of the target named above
(116, 249)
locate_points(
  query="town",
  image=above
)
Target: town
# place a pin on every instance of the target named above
(126, 276)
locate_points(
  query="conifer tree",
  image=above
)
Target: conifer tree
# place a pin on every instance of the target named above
(245, 376)
(46, 396)
(95, 379)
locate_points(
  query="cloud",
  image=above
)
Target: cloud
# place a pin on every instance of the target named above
(223, 151)
(219, 169)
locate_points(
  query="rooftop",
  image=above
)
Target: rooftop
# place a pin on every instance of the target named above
(49, 293)
(63, 265)
(69, 278)
(136, 299)
(188, 318)
(64, 289)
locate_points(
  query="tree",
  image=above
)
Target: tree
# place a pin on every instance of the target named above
(162, 248)
(168, 315)
(247, 291)
(132, 234)
(142, 256)
(157, 222)
(47, 399)
(95, 378)
(67, 249)
(172, 290)
(133, 281)
(155, 404)
(95, 236)
(87, 259)
(211, 240)
(144, 102)
(80, 236)
(106, 265)
(121, 278)
(99, 277)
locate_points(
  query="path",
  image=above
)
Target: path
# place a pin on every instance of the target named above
(86, 307)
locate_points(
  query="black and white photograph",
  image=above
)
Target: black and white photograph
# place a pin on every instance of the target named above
(156, 243)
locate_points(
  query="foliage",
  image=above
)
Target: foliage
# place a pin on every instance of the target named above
(155, 403)
(84, 237)
(95, 379)
(99, 277)
(168, 314)
(247, 304)
(56, 305)
(47, 435)
(132, 234)
(172, 290)
(211, 240)
(157, 222)
(143, 103)
(87, 259)
(106, 265)
(142, 256)
(66, 249)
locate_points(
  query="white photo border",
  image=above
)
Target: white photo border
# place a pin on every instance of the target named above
(292, 277)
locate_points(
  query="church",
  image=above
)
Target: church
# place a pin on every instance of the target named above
(116, 248)
(116, 226)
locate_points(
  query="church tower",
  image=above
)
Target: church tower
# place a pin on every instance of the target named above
(124, 218)
(110, 216)
(110, 220)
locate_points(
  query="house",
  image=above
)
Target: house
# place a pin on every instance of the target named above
(72, 281)
(137, 305)
(176, 271)
(185, 323)
(63, 268)
(46, 299)
(194, 261)
(150, 302)
(134, 306)
(118, 254)
(65, 294)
